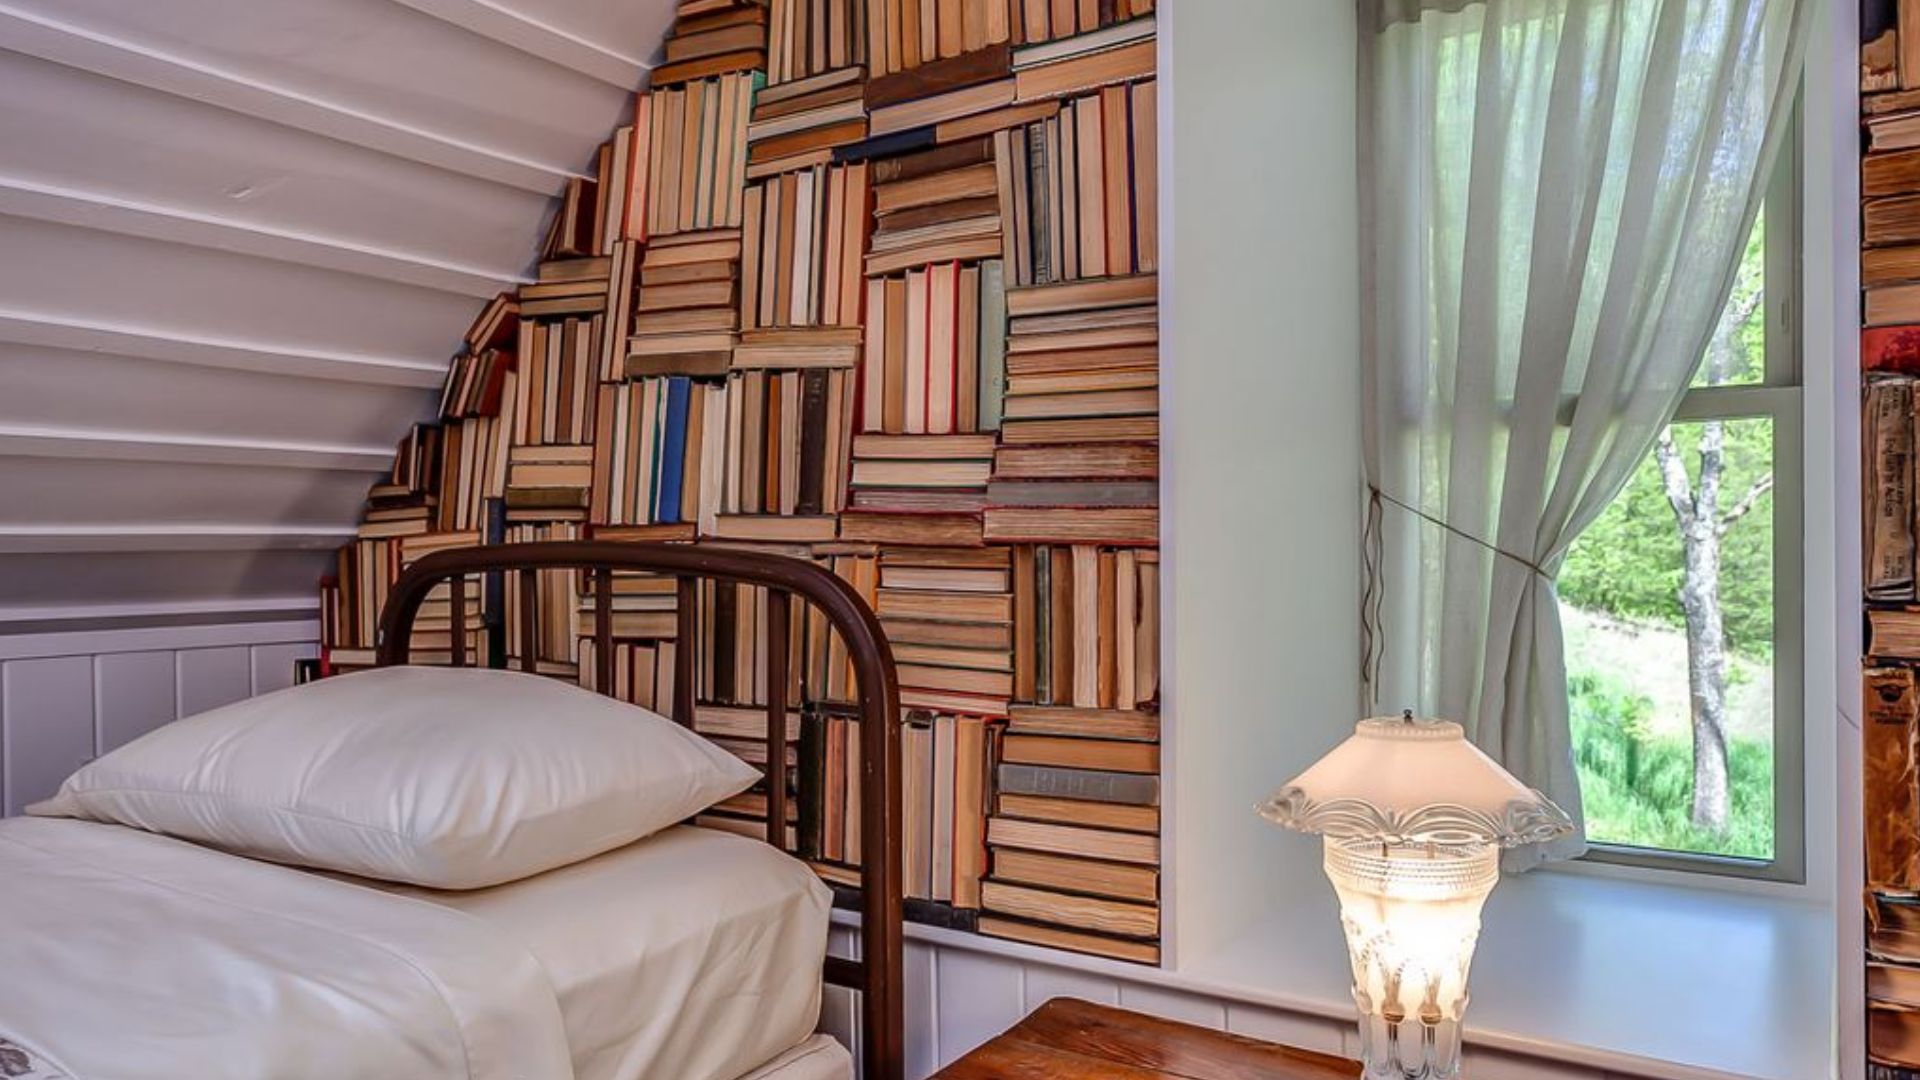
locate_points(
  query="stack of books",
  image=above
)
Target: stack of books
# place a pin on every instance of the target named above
(933, 206)
(935, 351)
(800, 124)
(944, 781)
(949, 614)
(815, 37)
(732, 645)
(1117, 53)
(554, 396)
(742, 731)
(659, 448)
(904, 34)
(1087, 622)
(713, 37)
(1079, 188)
(1043, 20)
(556, 637)
(473, 469)
(1075, 832)
(803, 241)
(697, 167)
(922, 474)
(785, 467)
(644, 608)
(548, 483)
(829, 676)
(686, 315)
(1081, 415)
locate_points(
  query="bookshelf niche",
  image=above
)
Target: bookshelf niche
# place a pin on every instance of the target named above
(871, 283)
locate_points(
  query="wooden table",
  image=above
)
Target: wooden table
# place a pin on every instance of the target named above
(1066, 1039)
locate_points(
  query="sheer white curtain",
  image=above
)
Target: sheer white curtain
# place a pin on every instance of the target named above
(1561, 191)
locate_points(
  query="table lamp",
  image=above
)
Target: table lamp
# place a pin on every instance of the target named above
(1413, 818)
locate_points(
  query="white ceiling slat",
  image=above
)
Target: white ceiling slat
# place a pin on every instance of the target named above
(530, 35)
(82, 491)
(635, 28)
(65, 129)
(176, 347)
(94, 539)
(20, 440)
(24, 198)
(64, 271)
(370, 58)
(51, 39)
(78, 580)
(105, 391)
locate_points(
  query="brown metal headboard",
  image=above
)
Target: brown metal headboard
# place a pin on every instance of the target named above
(876, 974)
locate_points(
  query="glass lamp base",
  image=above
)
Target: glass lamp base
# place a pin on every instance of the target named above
(1409, 1050)
(1411, 913)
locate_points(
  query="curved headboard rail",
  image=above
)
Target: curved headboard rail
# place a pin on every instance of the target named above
(877, 973)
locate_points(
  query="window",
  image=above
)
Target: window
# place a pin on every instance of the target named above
(1681, 603)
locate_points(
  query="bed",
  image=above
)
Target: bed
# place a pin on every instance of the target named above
(689, 954)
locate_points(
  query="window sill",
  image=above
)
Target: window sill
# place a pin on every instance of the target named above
(1637, 978)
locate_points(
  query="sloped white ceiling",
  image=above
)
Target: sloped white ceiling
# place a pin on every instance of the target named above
(239, 240)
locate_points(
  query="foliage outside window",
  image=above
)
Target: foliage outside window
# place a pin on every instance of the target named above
(1680, 605)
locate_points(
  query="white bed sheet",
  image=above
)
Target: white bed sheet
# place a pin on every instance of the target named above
(690, 955)
(819, 1058)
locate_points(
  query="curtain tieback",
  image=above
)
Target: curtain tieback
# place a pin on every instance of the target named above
(1373, 643)
(1379, 496)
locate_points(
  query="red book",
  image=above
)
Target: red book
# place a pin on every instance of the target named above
(1891, 349)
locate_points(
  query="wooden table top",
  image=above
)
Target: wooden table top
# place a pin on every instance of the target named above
(1067, 1039)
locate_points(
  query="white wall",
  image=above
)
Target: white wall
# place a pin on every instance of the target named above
(1260, 429)
(67, 697)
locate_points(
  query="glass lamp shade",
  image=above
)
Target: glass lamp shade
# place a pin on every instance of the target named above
(1413, 818)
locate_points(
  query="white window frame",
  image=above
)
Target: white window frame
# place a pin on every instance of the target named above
(1779, 397)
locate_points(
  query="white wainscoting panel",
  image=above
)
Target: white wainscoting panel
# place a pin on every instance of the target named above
(962, 991)
(66, 698)
(48, 705)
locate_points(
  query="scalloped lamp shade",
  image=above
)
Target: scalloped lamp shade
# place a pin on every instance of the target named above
(1413, 818)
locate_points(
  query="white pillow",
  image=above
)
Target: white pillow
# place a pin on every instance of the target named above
(449, 778)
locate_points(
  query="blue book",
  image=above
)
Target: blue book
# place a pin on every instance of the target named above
(673, 451)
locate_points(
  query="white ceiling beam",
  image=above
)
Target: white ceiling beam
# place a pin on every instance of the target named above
(32, 441)
(20, 197)
(79, 47)
(153, 343)
(552, 44)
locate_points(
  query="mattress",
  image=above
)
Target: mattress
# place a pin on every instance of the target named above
(692, 954)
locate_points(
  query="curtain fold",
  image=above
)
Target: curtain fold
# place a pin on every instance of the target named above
(1560, 193)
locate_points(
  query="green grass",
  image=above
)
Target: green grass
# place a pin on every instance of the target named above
(1637, 788)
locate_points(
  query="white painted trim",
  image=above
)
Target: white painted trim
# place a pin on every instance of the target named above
(148, 639)
(95, 538)
(98, 210)
(174, 347)
(521, 31)
(102, 54)
(302, 604)
(27, 441)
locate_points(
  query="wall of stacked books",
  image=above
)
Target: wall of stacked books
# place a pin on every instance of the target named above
(871, 283)
(1890, 358)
